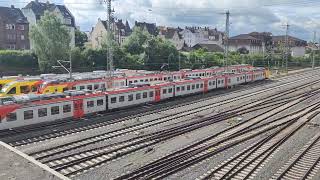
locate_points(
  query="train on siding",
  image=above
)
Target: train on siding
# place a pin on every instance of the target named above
(49, 84)
(30, 109)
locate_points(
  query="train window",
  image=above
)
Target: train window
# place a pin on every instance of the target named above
(147, 80)
(156, 79)
(130, 97)
(145, 95)
(138, 96)
(103, 86)
(42, 112)
(82, 87)
(210, 83)
(151, 79)
(198, 86)
(65, 89)
(12, 117)
(121, 99)
(100, 102)
(89, 87)
(178, 89)
(213, 82)
(55, 110)
(141, 80)
(33, 89)
(165, 78)
(164, 91)
(96, 86)
(182, 88)
(130, 82)
(237, 78)
(188, 88)
(66, 108)
(113, 100)
(12, 91)
(193, 86)
(170, 90)
(28, 114)
(222, 81)
(174, 77)
(151, 94)
(90, 104)
(74, 88)
(201, 85)
(218, 81)
(24, 89)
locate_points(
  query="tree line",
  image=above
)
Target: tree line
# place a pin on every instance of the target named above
(51, 42)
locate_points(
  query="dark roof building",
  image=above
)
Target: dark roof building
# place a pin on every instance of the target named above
(14, 29)
(35, 9)
(293, 41)
(245, 41)
(151, 28)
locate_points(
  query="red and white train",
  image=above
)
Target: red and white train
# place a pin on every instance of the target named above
(33, 109)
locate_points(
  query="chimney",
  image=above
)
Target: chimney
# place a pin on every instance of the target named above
(12, 6)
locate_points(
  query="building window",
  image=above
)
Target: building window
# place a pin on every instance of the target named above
(21, 27)
(67, 108)
(28, 114)
(42, 112)
(55, 110)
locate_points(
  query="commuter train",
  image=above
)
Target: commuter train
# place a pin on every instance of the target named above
(34, 108)
(52, 85)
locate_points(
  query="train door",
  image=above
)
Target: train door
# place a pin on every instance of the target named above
(205, 87)
(78, 111)
(158, 95)
(226, 81)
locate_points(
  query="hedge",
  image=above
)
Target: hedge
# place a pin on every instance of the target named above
(16, 59)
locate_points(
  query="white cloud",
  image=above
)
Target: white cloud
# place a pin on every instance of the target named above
(246, 15)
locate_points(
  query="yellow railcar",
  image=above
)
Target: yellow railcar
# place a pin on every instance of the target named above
(20, 87)
(6, 80)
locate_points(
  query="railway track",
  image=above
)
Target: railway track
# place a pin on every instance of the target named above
(80, 162)
(237, 111)
(169, 165)
(304, 164)
(116, 121)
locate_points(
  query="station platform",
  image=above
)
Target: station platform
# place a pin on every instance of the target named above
(15, 165)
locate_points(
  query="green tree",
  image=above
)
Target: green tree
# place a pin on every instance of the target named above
(136, 43)
(80, 39)
(51, 41)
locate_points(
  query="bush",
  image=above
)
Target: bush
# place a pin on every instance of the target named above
(16, 59)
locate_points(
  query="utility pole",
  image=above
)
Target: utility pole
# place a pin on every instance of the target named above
(313, 49)
(110, 35)
(287, 47)
(226, 42)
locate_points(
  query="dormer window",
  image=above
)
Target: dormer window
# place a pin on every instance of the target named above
(67, 21)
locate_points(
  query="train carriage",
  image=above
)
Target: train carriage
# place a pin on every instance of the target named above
(189, 87)
(130, 96)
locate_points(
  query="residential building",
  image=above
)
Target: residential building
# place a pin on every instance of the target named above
(297, 46)
(35, 10)
(151, 28)
(209, 47)
(14, 29)
(100, 31)
(172, 35)
(247, 42)
(265, 37)
(213, 36)
(193, 35)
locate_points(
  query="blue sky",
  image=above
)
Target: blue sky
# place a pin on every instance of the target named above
(246, 15)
